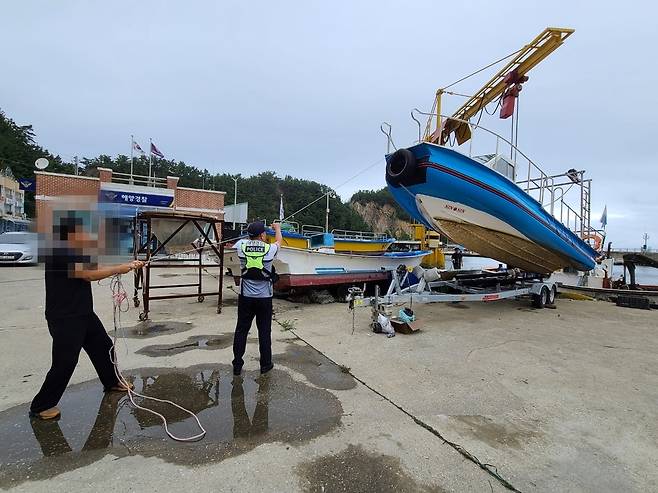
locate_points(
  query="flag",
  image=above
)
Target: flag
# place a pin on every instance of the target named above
(281, 214)
(136, 147)
(604, 216)
(155, 151)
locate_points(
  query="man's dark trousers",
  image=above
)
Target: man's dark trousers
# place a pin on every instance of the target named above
(261, 309)
(70, 335)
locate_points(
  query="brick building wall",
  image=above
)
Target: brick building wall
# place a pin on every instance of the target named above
(200, 201)
(50, 186)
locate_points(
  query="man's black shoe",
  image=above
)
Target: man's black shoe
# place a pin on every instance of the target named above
(267, 368)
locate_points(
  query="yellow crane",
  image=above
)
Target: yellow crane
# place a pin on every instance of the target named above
(513, 73)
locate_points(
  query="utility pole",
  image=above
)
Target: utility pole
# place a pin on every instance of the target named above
(75, 160)
(645, 237)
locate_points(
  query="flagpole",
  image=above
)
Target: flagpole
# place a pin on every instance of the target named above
(150, 157)
(132, 156)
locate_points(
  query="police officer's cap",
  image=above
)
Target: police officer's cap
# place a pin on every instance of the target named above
(256, 228)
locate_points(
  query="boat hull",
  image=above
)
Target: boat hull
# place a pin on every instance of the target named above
(479, 208)
(294, 261)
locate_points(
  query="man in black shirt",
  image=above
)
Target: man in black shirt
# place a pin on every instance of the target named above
(72, 323)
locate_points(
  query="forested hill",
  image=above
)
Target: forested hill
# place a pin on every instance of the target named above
(369, 210)
(19, 149)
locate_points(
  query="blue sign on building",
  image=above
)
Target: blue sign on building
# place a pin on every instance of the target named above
(136, 198)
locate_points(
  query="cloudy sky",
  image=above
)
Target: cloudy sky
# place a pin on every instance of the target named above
(302, 87)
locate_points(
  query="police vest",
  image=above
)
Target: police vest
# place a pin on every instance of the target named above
(254, 269)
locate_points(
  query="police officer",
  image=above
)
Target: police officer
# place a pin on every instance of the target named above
(255, 300)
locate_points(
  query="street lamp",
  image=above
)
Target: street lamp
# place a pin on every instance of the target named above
(235, 199)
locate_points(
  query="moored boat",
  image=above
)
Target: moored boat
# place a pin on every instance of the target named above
(359, 242)
(303, 268)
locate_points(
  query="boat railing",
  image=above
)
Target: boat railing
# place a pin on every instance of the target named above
(311, 230)
(358, 235)
(557, 194)
(536, 178)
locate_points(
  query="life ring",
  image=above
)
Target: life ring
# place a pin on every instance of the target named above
(598, 240)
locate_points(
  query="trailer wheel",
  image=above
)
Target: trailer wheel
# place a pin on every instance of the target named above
(201, 298)
(143, 316)
(136, 302)
(552, 294)
(540, 300)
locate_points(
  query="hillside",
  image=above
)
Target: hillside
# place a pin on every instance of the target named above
(382, 213)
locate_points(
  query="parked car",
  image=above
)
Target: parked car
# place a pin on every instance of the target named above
(18, 248)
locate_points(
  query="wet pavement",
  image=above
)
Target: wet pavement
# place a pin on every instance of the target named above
(318, 369)
(148, 328)
(239, 413)
(356, 470)
(207, 342)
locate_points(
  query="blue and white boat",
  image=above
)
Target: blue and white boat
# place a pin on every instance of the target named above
(478, 207)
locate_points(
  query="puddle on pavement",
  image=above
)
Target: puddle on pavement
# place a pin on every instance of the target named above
(494, 434)
(217, 341)
(356, 470)
(239, 414)
(318, 369)
(148, 328)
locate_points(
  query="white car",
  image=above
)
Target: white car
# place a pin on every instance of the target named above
(18, 248)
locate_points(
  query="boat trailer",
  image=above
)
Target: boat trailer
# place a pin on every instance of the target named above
(435, 286)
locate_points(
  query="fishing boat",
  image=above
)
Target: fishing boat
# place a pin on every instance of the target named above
(477, 201)
(300, 268)
(357, 242)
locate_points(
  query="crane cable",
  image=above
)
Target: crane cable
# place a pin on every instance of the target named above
(484, 68)
(218, 243)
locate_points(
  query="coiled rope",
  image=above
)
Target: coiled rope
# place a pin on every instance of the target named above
(119, 306)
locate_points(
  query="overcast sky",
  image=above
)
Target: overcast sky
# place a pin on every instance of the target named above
(302, 87)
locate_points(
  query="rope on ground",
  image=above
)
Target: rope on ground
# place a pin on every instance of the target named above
(489, 468)
(119, 298)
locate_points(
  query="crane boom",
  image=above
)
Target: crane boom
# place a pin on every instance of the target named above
(524, 60)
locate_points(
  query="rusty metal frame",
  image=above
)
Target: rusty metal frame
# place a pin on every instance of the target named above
(146, 252)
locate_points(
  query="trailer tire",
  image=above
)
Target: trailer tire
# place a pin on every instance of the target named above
(541, 300)
(552, 294)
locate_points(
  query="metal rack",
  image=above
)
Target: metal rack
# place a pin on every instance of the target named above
(146, 249)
